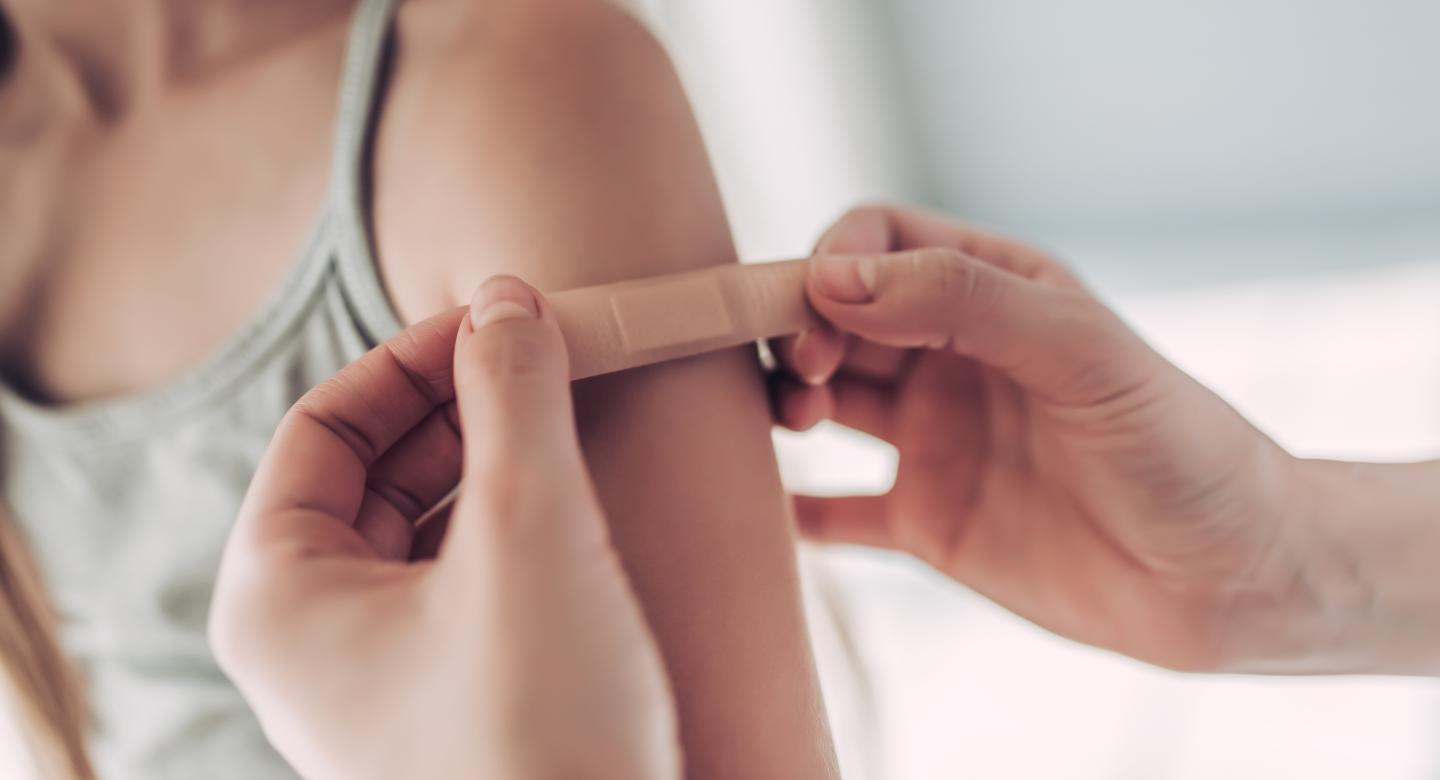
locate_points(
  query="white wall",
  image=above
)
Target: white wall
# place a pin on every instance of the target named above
(801, 105)
(1137, 114)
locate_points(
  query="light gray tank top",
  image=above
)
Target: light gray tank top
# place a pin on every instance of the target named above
(127, 502)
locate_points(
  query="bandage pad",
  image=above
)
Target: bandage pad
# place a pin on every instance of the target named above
(629, 324)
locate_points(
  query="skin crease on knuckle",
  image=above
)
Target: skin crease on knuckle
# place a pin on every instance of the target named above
(965, 281)
(957, 283)
(512, 354)
(866, 216)
(436, 380)
(313, 407)
(1107, 375)
(517, 464)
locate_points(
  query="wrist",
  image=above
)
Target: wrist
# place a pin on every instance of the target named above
(1280, 603)
(1354, 591)
(1326, 593)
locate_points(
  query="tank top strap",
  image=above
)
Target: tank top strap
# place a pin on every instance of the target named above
(362, 84)
(337, 255)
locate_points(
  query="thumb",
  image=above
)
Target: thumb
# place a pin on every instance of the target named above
(523, 466)
(1057, 342)
(860, 231)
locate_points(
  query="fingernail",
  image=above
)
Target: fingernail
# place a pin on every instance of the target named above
(809, 375)
(502, 298)
(845, 278)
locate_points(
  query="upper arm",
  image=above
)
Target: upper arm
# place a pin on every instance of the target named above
(557, 144)
(551, 138)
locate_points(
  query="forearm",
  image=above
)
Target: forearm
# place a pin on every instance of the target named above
(1364, 597)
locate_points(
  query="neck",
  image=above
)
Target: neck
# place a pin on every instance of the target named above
(111, 55)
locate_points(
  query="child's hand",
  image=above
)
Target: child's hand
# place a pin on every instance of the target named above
(519, 651)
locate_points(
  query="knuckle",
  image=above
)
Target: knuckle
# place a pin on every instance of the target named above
(319, 405)
(510, 482)
(939, 254)
(500, 492)
(1051, 270)
(932, 260)
(406, 350)
(869, 206)
(517, 353)
(1082, 316)
(1104, 369)
(510, 499)
(865, 212)
(959, 277)
(964, 293)
(867, 227)
(1049, 259)
(949, 273)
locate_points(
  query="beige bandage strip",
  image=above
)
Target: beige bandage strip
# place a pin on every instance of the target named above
(613, 327)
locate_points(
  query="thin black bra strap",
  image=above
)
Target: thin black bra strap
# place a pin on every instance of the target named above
(360, 96)
(9, 47)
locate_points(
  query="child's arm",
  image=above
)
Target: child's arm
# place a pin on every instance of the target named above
(552, 140)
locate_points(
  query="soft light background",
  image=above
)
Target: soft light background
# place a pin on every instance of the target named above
(1255, 184)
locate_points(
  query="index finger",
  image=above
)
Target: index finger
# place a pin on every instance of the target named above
(881, 229)
(310, 483)
(815, 356)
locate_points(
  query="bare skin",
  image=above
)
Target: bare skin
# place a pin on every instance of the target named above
(126, 283)
(133, 268)
(538, 663)
(1054, 462)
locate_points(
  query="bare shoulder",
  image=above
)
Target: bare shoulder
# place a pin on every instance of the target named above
(551, 139)
(546, 138)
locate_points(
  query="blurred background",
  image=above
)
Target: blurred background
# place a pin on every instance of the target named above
(1254, 184)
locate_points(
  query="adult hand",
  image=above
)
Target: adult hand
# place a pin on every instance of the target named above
(1049, 458)
(519, 650)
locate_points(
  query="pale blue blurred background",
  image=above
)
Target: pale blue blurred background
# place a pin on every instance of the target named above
(1254, 185)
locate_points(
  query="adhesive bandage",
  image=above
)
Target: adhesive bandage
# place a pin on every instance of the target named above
(613, 327)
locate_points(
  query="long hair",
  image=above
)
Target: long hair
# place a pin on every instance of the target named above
(45, 689)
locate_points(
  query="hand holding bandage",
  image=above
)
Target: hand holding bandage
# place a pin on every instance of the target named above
(519, 651)
(1049, 458)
